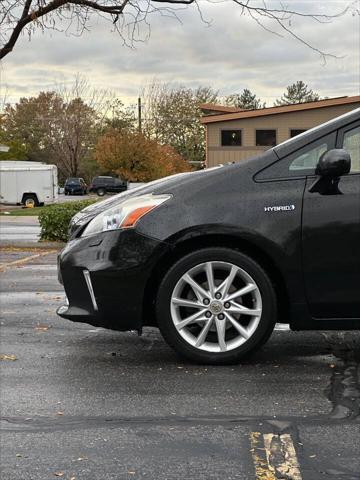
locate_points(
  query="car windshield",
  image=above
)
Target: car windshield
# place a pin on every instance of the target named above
(72, 180)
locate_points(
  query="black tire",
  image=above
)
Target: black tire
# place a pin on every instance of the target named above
(166, 288)
(30, 200)
(101, 192)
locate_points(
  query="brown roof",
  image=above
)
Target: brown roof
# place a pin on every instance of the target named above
(218, 108)
(328, 102)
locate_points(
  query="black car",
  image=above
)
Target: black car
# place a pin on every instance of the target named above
(75, 186)
(214, 258)
(104, 184)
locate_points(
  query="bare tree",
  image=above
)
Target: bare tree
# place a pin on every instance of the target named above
(130, 16)
(172, 117)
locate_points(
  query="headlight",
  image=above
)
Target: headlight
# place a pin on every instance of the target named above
(124, 215)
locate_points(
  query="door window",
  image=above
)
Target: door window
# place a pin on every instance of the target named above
(351, 144)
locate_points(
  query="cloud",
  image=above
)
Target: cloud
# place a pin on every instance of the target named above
(230, 54)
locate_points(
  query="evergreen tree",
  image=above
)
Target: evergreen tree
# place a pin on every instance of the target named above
(245, 100)
(298, 92)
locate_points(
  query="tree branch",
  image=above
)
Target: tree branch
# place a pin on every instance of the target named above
(135, 13)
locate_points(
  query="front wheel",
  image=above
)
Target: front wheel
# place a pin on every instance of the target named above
(101, 192)
(215, 306)
(30, 201)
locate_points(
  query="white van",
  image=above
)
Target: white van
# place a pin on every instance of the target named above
(28, 183)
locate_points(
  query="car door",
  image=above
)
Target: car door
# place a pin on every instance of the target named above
(331, 239)
(110, 185)
(117, 185)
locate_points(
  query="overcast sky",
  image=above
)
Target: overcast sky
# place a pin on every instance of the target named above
(230, 54)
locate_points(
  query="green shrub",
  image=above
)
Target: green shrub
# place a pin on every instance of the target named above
(55, 219)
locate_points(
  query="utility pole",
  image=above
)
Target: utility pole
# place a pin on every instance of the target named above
(139, 115)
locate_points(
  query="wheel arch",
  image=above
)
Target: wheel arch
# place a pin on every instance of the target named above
(190, 243)
(30, 194)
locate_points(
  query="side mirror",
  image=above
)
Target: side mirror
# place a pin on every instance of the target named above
(334, 163)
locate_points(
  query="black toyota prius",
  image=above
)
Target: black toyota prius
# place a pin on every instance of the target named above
(215, 258)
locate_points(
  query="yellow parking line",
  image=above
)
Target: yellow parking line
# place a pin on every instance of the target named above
(16, 263)
(263, 470)
(274, 456)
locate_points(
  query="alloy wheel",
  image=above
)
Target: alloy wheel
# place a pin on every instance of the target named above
(216, 306)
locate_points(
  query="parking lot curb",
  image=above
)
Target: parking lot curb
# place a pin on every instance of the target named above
(31, 245)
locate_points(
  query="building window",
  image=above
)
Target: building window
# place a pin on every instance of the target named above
(231, 138)
(265, 138)
(296, 131)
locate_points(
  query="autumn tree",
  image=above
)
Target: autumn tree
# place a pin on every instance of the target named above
(172, 117)
(245, 100)
(30, 123)
(59, 127)
(131, 19)
(298, 92)
(52, 130)
(137, 158)
(17, 149)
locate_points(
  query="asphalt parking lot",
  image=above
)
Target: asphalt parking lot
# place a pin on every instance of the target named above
(79, 402)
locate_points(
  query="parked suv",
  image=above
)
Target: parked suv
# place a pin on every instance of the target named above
(104, 184)
(75, 186)
(215, 258)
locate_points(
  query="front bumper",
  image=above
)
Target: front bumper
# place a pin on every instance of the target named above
(105, 277)
(73, 191)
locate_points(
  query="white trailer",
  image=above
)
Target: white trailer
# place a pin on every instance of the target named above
(28, 183)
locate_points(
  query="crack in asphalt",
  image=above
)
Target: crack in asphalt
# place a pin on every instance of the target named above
(344, 389)
(42, 424)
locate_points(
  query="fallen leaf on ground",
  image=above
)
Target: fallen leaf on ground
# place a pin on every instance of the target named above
(59, 413)
(332, 365)
(59, 474)
(18, 455)
(82, 458)
(4, 356)
(42, 328)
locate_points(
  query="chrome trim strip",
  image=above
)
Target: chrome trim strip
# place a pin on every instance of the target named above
(90, 288)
